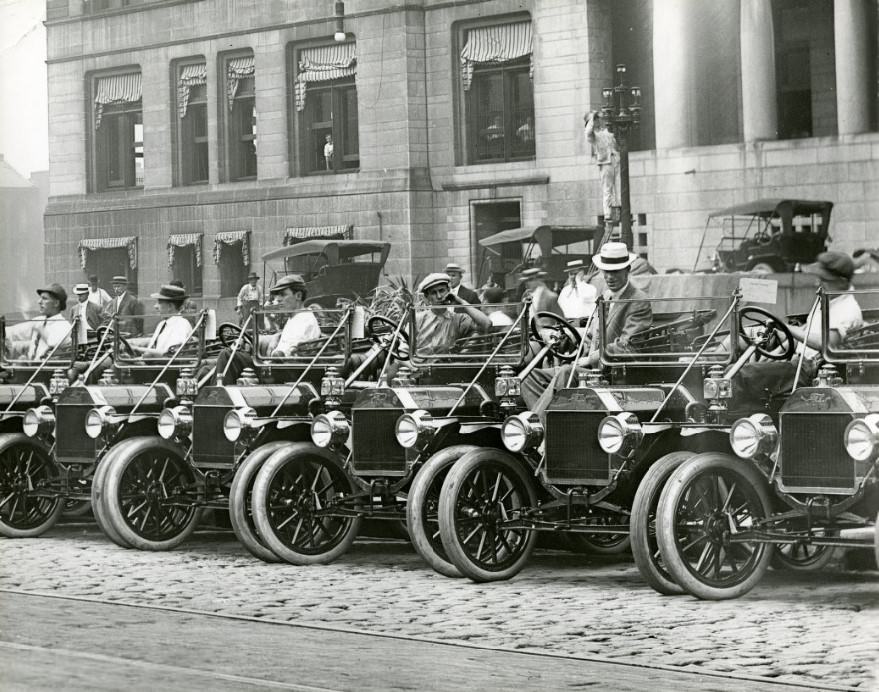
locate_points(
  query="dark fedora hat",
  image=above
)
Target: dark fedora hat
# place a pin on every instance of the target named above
(292, 281)
(56, 290)
(252, 275)
(170, 292)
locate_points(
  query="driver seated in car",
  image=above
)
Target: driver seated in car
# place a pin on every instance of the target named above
(623, 320)
(755, 381)
(301, 326)
(172, 332)
(35, 339)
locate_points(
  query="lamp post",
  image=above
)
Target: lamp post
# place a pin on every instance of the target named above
(622, 112)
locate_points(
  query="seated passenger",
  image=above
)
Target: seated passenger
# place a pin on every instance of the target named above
(577, 297)
(623, 320)
(173, 331)
(498, 315)
(301, 326)
(439, 328)
(755, 381)
(35, 339)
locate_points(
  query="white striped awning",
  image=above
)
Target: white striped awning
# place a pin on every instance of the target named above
(296, 234)
(495, 44)
(190, 76)
(323, 64)
(117, 88)
(230, 238)
(130, 242)
(236, 70)
(184, 240)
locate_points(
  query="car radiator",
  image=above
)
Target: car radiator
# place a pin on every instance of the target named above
(376, 452)
(210, 448)
(813, 456)
(572, 451)
(71, 442)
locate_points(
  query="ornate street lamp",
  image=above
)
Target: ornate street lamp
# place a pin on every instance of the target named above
(621, 115)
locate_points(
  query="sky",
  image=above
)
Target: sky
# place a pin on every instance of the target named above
(24, 138)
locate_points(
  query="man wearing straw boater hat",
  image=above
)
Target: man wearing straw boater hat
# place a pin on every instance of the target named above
(577, 297)
(627, 314)
(455, 272)
(84, 308)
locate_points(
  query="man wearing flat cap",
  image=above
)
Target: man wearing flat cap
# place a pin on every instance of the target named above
(455, 273)
(833, 271)
(301, 326)
(439, 328)
(84, 308)
(35, 339)
(125, 306)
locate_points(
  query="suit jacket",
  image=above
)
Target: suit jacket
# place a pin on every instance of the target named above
(468, 294)
(623, 320)
(130, 306)
(93, 314)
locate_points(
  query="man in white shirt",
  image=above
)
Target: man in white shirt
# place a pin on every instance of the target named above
(97, 295)
(577, 297)
(249, 297)
(35, 339)
(173, 331)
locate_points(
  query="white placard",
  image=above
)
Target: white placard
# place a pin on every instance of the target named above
(210, 327)
(758, 290)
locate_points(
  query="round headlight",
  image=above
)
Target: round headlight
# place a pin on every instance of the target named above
(414, 429)
(862, 438)
(174, 421)
(329, 429)
(522, 431)
(237, 420)
(37, 420)
(620, 434)
(753, 435)
(97, 420)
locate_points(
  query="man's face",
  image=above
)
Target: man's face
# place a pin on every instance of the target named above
(436, 295)
(290, 299)
(83, 297)
(164, 307)
(252, 281)
(118, 289)
(616, 279)
(49, 305)
(455, 277)
(93, 284)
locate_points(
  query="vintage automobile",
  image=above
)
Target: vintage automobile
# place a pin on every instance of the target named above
(553, 476)
(332, 269)
(766, 235)
(806, 480)
(309, 499)
(33, 488)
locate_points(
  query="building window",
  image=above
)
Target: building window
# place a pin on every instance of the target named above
(184, 261)
(240, 120)
(486, 219)
(118, 136)
(326, 105)
(232, 257)
(192, 123)
(498, 96)
(95, 6)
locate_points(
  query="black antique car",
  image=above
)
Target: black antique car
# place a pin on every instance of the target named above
(553, 475)
(766, 235)
(796, 484)
(309, 500)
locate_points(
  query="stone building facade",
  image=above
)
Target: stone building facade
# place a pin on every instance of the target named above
(742, 99)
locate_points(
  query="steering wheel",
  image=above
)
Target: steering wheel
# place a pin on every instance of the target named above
(228, 334)
(383, 340)
(126, 347)
(566, 335)
(775, 333)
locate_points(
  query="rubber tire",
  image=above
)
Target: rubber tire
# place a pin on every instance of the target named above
(98, 509)
(644, 505)
(8, 441)
(78, 508)
(583, 543)
(435, 467)
(449, 499)
(665, 524)
(239, 501)
(261, 486)
(762, 268)
(116, 465)
(876, 539)
(820, 560)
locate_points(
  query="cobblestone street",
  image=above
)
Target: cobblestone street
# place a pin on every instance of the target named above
(819, 629)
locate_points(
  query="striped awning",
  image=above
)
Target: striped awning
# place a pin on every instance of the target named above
(236, 70)
(184, 240)
(130, 242)
(190, 76)
(323, 64)
(230, 238)
(296, 234)
(495, 44)
(117, 88)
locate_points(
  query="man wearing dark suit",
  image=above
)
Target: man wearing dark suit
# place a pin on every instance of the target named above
(90, 312)
(125, 306)
(623, 319)
(456, 273)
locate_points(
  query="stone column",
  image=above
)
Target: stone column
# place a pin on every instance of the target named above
(671, 74)
(852, 66)
(759, 96)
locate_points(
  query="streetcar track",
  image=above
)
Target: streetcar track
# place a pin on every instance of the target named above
(426, 640)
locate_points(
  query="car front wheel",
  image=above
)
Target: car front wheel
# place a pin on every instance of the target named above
(25, 469)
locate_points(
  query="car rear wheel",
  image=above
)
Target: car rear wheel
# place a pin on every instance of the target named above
(25, 469)
(75, 508)
(706, 502)
(98, 495)
(483, 493)
(149, 492)
(600, 543)
(802, 557)
(645, 547)
(422, 507)
(240, 508)
(292, 503)
(876, 539)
